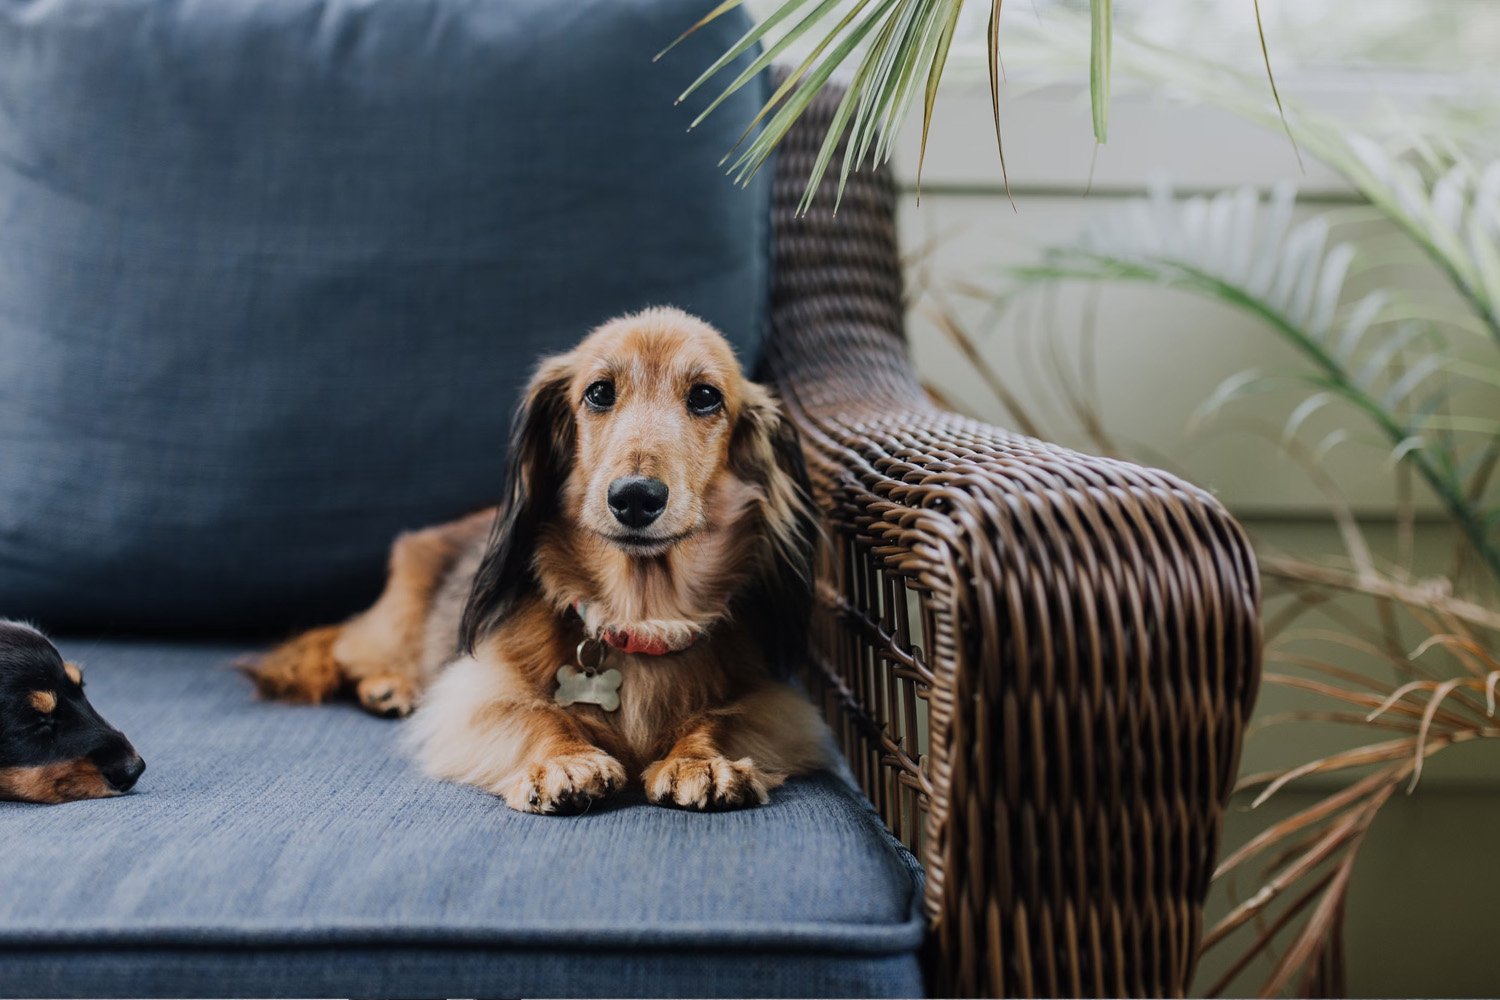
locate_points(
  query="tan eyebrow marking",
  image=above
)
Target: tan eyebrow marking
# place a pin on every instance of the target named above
(74, 672)
(43, 701)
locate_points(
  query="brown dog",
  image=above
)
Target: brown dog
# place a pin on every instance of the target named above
(636, 608)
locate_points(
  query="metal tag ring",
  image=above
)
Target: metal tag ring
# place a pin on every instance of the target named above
(598, 659)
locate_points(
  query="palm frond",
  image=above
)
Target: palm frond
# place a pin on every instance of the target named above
(1245, 251)
(1101, 37)
(1265, 54)
(1316, 848)
(1442, 198)
(895, 47)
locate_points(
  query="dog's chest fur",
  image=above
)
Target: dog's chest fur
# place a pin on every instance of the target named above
(659, 695)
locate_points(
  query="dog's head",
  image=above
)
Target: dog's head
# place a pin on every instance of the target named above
(53, 746)
(632, 437)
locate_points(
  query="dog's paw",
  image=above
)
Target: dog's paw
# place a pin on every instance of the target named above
(387, 695)
(707, 783)
(564, 784)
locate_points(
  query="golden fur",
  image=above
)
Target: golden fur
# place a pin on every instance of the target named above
(67, 781)
(478, 615)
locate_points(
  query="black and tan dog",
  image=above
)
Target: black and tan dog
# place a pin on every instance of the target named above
(53, 746)
(633, 611)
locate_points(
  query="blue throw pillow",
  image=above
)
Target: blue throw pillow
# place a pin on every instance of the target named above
(273, 272)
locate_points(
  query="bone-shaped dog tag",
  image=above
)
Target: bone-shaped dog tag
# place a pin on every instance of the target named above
(588, 687)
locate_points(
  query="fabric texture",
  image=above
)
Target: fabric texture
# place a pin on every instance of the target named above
(289, 851)
(272, 273)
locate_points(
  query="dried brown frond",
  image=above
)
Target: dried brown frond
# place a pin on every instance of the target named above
(1319, 929)
(1327, 846)
(1261, 723)
(1435, 594)
(1435, 701)
(1263, 941)
(1314, 814)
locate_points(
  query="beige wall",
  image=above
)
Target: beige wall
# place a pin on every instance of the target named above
(1420, 897)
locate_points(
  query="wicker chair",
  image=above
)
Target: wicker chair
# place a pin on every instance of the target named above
(1039, 664)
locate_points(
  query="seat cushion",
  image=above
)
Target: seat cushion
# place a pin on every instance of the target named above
(272, 850)
(272, 274)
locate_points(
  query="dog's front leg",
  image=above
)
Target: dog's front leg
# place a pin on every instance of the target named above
(734, 756)
(478, 726)
(696, 774)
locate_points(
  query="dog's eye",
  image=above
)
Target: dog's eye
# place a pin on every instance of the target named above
(600, 395)
(704, 399)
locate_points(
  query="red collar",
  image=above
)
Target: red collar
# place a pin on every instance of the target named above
(627, 641)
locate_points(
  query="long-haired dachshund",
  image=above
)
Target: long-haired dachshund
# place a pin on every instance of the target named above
(53, 746)
(636, 608)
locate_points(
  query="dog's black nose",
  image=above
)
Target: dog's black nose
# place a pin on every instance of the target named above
(123, 774)
(636, 501)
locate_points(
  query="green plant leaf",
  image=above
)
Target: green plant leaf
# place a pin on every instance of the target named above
(1265, 54)
(992, 53)
(934, 77)
(1357, 322)
(1101, 37)
(1295, 286)
(767, 56)
(761, 147)
(847, 106)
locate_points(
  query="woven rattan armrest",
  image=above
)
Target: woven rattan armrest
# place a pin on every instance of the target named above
(1074, 641)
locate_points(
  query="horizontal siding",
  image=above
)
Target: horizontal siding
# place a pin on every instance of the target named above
(1160, 353)
(1049, 144)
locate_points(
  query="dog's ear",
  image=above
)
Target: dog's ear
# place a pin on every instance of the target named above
(541, 457)
(767, 451)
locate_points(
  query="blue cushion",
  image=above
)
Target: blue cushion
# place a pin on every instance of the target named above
(272, 272)
(283, 851)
